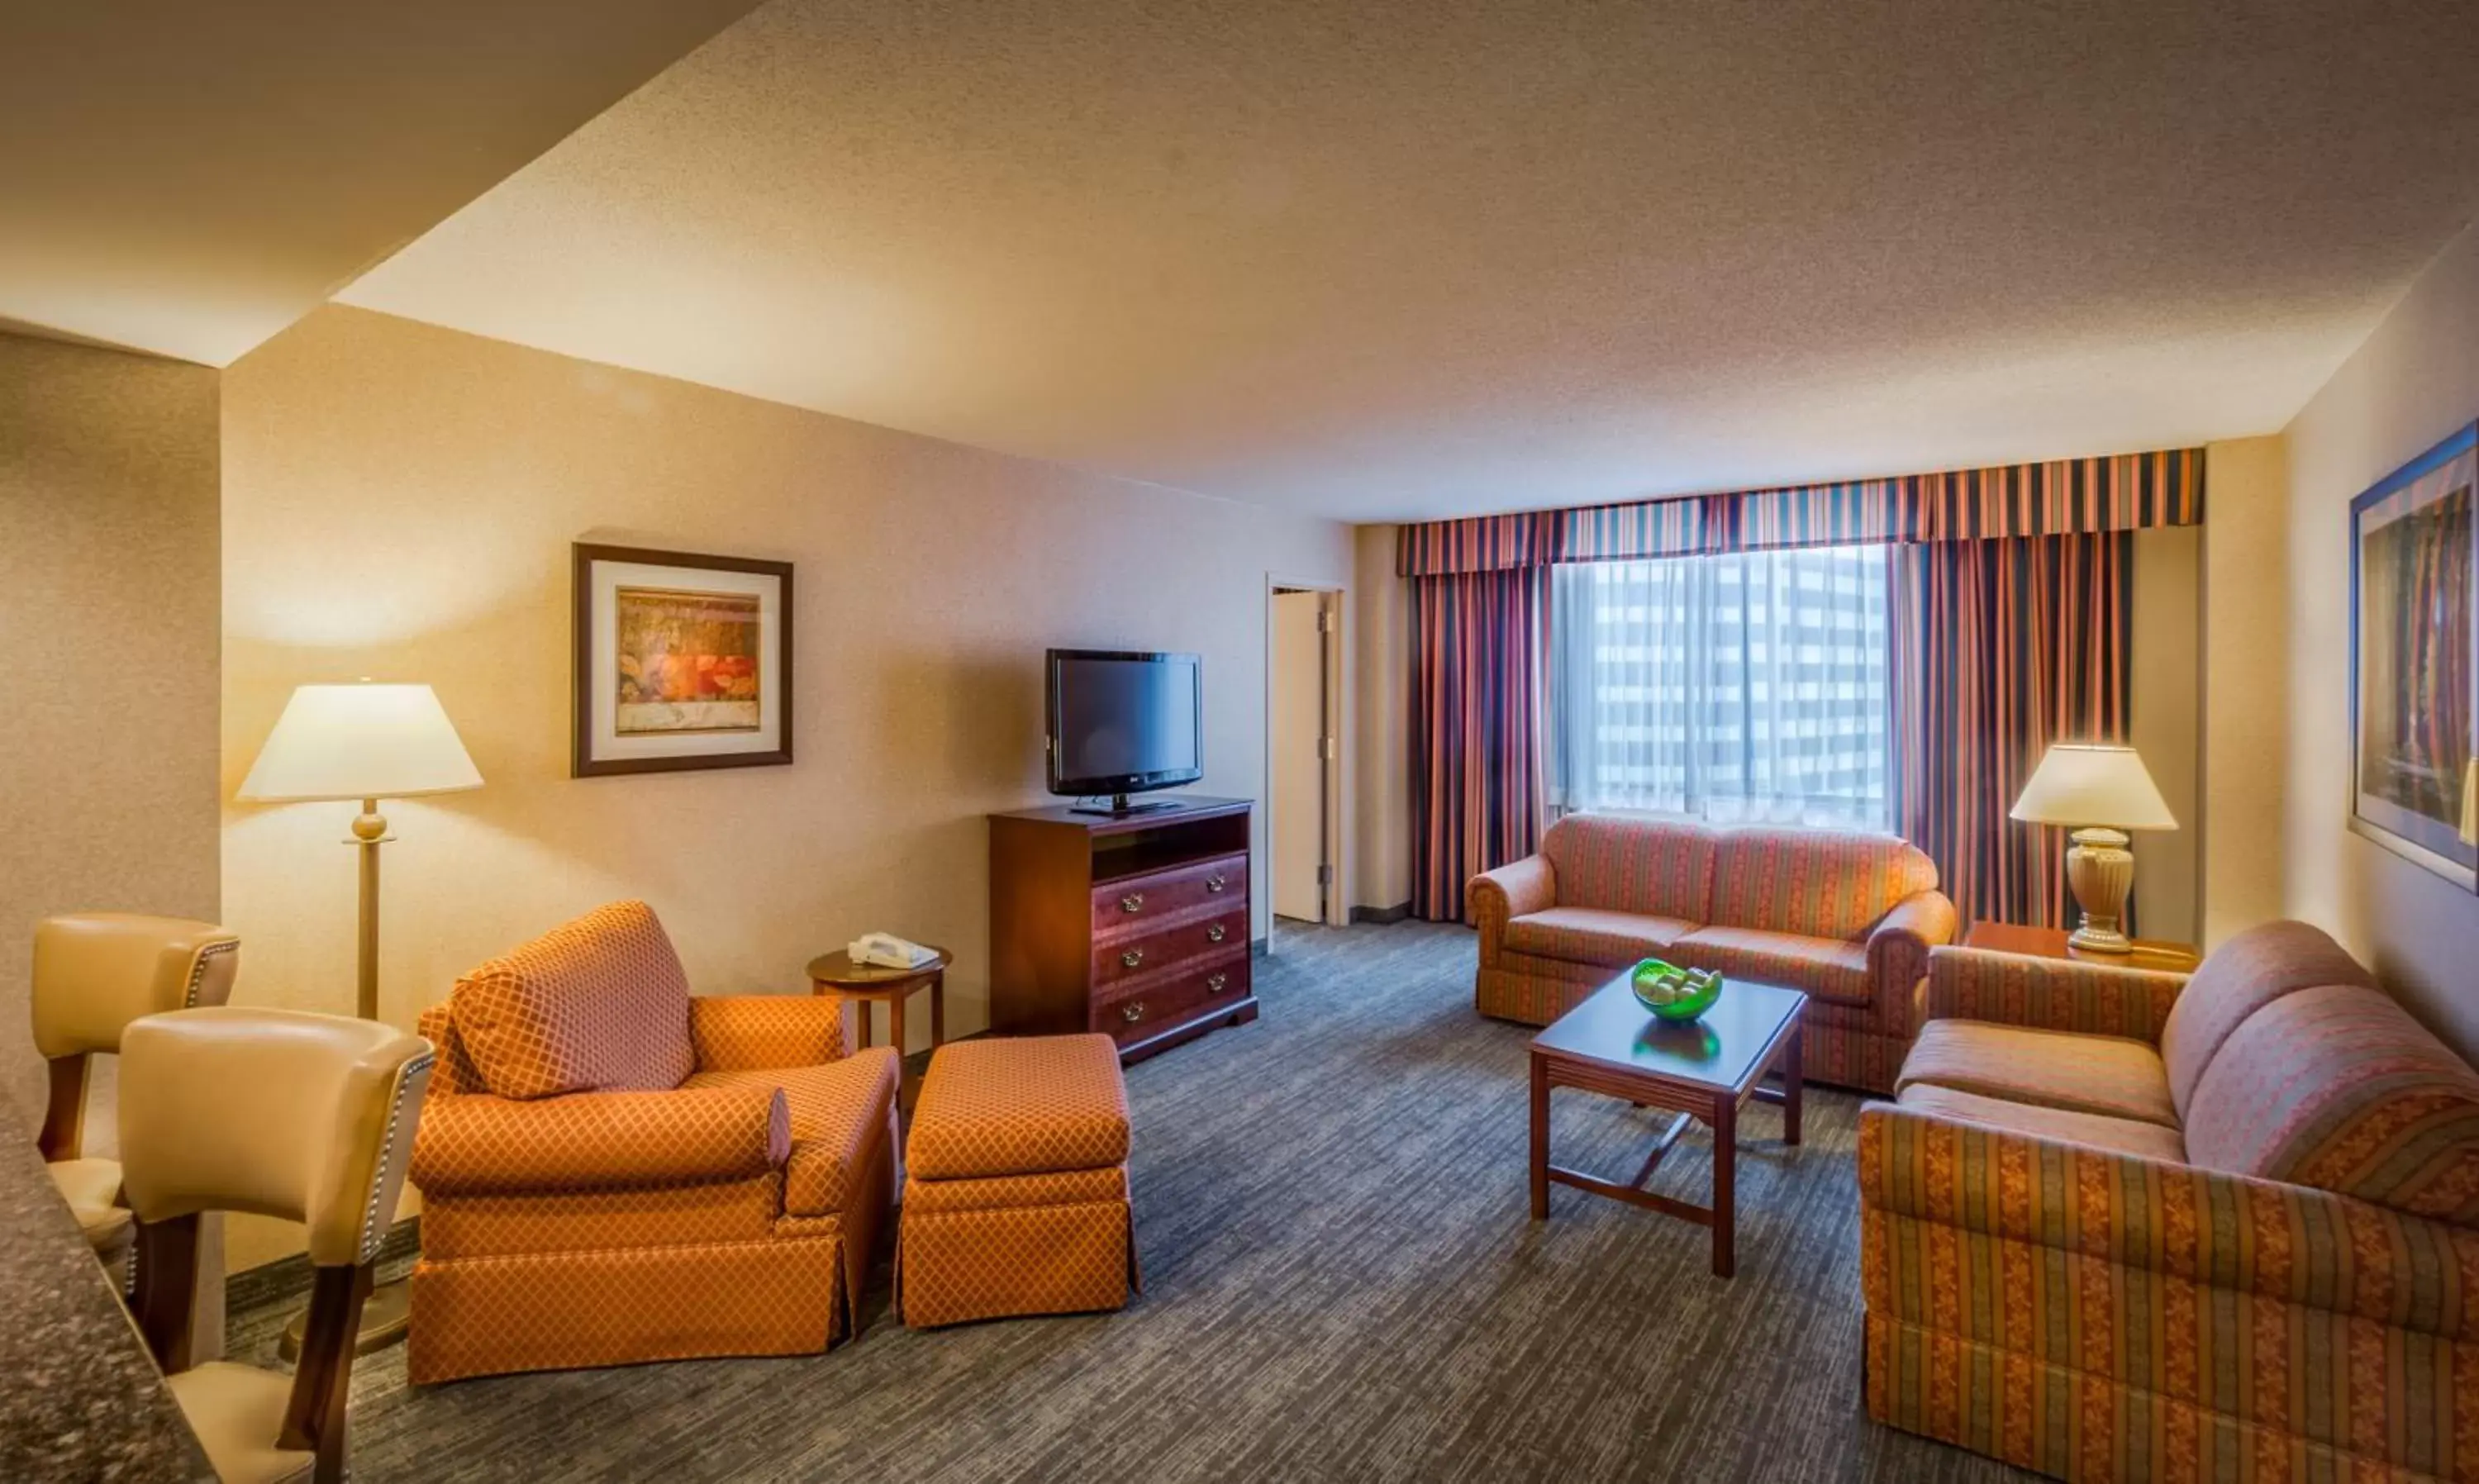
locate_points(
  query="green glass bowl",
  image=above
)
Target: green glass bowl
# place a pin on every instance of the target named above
(1687, 1008)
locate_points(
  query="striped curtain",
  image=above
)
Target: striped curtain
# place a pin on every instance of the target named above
(2065, 496)
(1867, 512)
(2061, 497)
(1630, 533)
(2000, 648)
(1476, 667)
(1480, 543)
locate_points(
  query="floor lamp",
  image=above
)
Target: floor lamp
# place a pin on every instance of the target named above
(362, 742)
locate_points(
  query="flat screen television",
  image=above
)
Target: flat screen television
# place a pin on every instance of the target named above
(1124, 722)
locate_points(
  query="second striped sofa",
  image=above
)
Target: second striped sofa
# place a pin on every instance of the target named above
(2122, 1225)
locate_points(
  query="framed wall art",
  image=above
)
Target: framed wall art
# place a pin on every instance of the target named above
(682, 661)
(2414, 575)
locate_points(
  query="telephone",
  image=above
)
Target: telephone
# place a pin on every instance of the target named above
(889, 950)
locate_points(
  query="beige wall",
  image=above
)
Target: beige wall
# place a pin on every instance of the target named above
(1380, 635)
(400, 502)
(2246, 650)
(109, 606)
(2166, 706)
(2415, 380)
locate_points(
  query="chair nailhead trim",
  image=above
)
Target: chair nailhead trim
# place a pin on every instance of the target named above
(371, 1236)
(198, 968)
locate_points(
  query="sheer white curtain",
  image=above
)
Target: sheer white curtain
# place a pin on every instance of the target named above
(1738, 688)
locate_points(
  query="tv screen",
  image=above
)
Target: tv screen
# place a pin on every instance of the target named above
(1123, 720)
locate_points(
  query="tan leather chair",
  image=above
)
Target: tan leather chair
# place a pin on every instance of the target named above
(94, 973)
(282, 1113)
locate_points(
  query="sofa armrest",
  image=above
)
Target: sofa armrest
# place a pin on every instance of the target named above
(2294, 1245)
(1897, 946)
(475, 1143)
(2050, 994)
(1513, 889)
(756, 1032)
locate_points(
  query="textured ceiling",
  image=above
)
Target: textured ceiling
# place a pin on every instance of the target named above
(189, 178)
(1416, 258)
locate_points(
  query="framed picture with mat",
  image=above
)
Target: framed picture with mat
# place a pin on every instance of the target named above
(683, 660)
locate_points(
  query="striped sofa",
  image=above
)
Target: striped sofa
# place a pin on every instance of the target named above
(2126, 1225)
(1848, 918)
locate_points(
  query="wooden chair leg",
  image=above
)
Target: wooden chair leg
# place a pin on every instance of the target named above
(166, 1294)
(314, 1418)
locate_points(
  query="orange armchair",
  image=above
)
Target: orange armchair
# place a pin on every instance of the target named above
(642, 1212)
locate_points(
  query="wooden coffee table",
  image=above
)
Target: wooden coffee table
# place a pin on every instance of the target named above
(1703, 1070)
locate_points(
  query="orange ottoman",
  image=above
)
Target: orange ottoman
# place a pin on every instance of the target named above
(1015, 1185)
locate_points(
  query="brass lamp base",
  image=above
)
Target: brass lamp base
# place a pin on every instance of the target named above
(2099, 870)
(385, 1320)
(389, 1312)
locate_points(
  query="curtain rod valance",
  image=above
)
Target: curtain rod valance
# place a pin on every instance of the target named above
(2065, 496)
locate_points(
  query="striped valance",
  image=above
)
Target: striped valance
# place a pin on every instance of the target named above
(1652, 528)
(2065, 496)
(1482, 543)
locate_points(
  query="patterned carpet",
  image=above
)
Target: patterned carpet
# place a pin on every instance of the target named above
(1341, 1284)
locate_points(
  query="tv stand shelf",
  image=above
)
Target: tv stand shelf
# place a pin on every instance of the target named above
(1135, 926)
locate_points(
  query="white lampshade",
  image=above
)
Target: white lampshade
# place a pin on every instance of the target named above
(2088, 784)
(361, 741)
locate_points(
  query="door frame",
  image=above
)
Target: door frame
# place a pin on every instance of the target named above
(1333, 908)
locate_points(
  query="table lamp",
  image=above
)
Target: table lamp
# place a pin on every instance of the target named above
(2100, 791)
(366, 742)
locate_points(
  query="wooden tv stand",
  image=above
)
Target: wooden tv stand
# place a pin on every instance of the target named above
(1135, 926)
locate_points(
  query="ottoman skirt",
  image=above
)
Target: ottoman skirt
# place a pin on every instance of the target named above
(1016, 1196)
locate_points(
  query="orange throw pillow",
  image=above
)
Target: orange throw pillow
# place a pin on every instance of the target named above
(596, 1005)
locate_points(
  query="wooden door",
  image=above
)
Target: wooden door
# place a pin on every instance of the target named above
(1295, 769)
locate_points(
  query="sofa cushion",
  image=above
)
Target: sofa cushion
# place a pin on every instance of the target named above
(2126, 1135)
(2108, 1075)
(1021, 1105)
(1004, 1192)
(2240, 977)
(2338, 1087)
(1829, 968)
(839, 1114)
(601, 1218)
(598, 1004)
(1814, 882)
(1594, 934)
(1631, 864)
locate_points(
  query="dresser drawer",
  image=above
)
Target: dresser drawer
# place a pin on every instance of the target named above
(1134, 904)
(1157, 947)
(1144, 1009)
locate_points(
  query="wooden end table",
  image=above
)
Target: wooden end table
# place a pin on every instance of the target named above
(1703, 1070)
(2006, 937)
(837, 974)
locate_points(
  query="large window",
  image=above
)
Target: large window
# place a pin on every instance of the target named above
(1738, 688)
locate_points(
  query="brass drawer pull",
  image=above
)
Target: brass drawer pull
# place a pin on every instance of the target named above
(1132, 957)
(1214, 983)
(1132, 902)
(1217, 933)
(1214, 883)
(1131, 1014)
